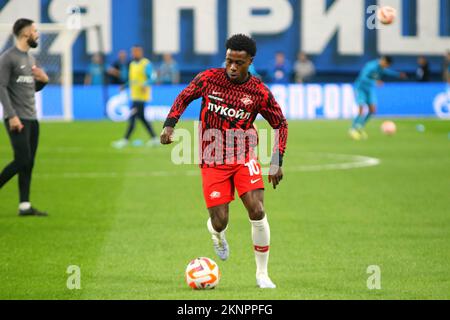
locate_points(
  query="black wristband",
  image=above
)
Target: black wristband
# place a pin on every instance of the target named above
(277, 159)
(38, 86)
(170, 122)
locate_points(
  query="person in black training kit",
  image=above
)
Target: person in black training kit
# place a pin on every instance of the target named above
(20, 79)
(423, 70)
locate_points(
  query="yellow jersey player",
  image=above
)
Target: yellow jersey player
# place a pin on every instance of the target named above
(139, 81)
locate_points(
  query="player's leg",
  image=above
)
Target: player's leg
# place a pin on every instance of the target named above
(20, 142)
(148, 126)
(218, 191)
(21, 151)
(25, 172)
(217, 225)
(130, 129)
(132, 121)
(250, 185)
(370, 114)
(371, 102)
(354, 130)
(254, 203)
(365, 120)
(25, 175)
(141, 116)
(361, 99)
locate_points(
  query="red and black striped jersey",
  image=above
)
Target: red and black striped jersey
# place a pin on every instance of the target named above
(228, 108)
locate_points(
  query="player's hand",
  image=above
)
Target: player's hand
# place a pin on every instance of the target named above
(380, 83)
(39, 74)
(15, 124)
(167, 135)
(403, 76)
(275, 175)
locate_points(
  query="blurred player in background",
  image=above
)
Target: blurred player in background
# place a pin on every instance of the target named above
(447, 75)
(118, 71)
(20, 79)
(141, 77)
(365, 86)
(446, 68)
(423, 70)
(281, 70)
(231, 100)
(96, 72)
(168, 72)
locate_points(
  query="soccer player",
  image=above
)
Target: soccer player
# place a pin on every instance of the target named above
(371, 74)
(140, 79)
(231, 100)
(20, 79)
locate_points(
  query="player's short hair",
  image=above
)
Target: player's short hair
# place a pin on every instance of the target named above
(241, 42)
(388, 59)
(21, 24)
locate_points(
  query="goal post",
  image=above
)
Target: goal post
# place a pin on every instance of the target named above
(54, 55)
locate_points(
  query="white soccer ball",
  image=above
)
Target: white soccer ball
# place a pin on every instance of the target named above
(386, 15)
(202, 273)
(388, 128)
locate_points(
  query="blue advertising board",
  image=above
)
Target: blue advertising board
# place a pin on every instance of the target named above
(303, 102)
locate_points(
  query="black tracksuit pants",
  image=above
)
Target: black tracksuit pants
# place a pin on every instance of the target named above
(24, 145)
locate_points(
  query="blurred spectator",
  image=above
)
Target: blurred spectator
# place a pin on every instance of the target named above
(253, 71)
(423, 70)
(95, 74)
(446, 69)
(168, 72)
(281, 70)
(304, 68)
(118, 71)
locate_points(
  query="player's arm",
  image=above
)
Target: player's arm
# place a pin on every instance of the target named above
(192, 92)
(114, 70)
(9, 112)
(271, 111)
(394, 74)
(150, 75)
(40, 77)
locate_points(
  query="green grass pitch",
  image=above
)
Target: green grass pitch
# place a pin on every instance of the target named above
(131, 220)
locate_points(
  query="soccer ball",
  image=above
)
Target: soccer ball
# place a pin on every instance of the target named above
(386, 15)
(388, 128)
(202, 273)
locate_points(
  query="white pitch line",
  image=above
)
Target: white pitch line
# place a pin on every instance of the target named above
(352, 162)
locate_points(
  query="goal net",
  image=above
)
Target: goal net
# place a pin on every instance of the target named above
(54, 55)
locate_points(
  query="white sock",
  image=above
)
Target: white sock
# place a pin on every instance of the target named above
(24, 206)
(261, 242)
(213, 231)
